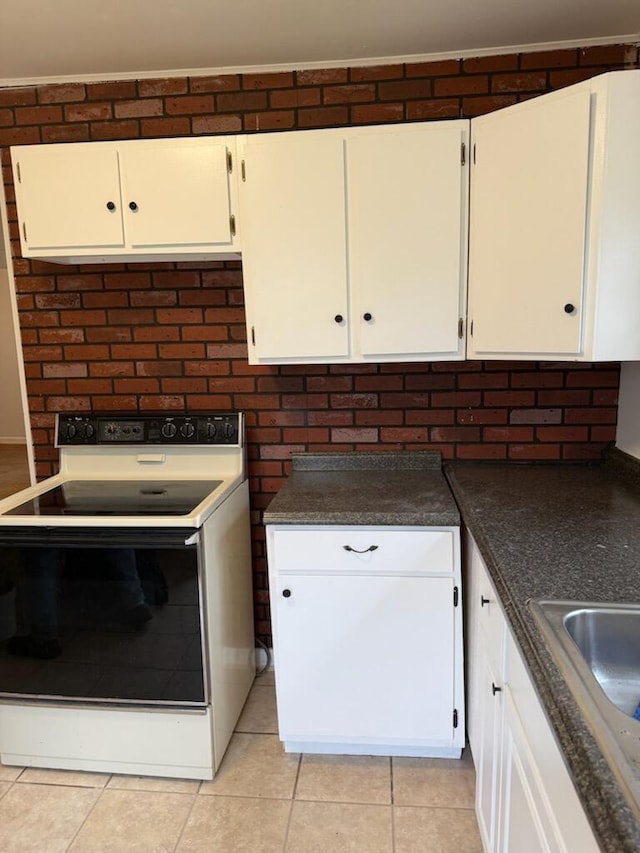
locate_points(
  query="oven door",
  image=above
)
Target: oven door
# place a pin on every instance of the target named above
(104, 615)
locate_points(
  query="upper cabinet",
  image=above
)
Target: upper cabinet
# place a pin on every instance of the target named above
(354, 243)
(554, 258)
(132, 200)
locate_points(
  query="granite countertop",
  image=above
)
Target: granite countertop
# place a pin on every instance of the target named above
(560, 532)
(394, 488)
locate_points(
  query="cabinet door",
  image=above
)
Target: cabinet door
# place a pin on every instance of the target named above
(176, 194)
(527, 231)
(526, 822)
(368, 658)
(294, 246)
(68, 197)
(407, 214)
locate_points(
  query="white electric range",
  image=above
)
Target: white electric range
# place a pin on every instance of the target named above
(133, 646)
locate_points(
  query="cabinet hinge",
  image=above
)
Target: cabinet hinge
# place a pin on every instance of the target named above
(229, 162)
(24, 231)
(253, 335)
(232, 224)
(463, 154)
(243, 171)
(455, 596)
(18, 171)
(461, 328)
(455, 718)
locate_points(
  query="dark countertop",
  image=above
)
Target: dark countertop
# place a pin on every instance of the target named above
(561, 532)
(405, 489)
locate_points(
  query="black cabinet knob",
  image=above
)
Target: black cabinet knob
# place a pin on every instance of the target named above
(286, 593)
(367, 317)
(133, 206)
(495, 689)
(338, 318)
(569, 308)
(111, 205)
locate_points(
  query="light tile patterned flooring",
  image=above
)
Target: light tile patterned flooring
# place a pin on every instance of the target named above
(263, 800)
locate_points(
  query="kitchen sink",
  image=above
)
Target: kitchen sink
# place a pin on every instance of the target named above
(597, 649)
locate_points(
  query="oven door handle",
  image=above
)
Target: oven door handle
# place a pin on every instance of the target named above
(102, 537)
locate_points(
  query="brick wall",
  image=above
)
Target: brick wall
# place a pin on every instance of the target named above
(171, 336)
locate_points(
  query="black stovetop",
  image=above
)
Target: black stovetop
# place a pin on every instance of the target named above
(119, 497)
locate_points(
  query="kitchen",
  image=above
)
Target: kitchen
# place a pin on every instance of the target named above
(172, 336)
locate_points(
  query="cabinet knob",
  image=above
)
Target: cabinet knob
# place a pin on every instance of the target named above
(111, 205)
(286, 593)
(133, 206)
(484, 601)
(338, 318)
(495, 689)
(367, 317)
(569, 308)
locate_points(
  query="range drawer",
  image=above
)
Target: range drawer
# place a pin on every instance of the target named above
(378, 550)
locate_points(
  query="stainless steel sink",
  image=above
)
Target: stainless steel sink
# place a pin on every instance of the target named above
(597, 649)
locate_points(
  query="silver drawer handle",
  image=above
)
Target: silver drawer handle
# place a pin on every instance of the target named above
(364, 551)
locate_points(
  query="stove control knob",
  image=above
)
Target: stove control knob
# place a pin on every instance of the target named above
(169, 430)
(211, 431)
(187, 430)
(71, 431)
(229, 431)
(89, 431)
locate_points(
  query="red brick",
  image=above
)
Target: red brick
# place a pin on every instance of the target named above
(64, 369)
(108, 335)
(191, 350)
(134, 351)
(123, 129)
(139, 108)
(185, 386)
(562, 433)
(433, 69)
(375, 72)
(509, 398)
(482, 416)
(90, 386)
(456, 399)
(83, 318)
(271, 120)
(111, 90)
(549, 59)
(156, 333)
(594, 379)
(114, 402)
(6, 118)
(477, 84)
(507, 433)
(39, 115)
(377, 113)
(88, 112)
(486, 64)
(402, 90)
(136, 386)
(480, 452)
(19, 135)
(167, 86)
(271, 80)
(61, 336)
(231, 102)
(607, 54)
(455, 433)
(112, 368)
(216, 124)
(592, 415)
(522, 81)
(322, 76)
(562, 78)
(219, 83)
(18, 97)
(348, 94)
(189, 104)
(534, 452)
(487, 104)
(154, 127)
(438, 108)
(323, 117)
(536, 416)
(66, 133)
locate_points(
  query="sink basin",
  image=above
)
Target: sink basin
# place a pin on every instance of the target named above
(596, 646)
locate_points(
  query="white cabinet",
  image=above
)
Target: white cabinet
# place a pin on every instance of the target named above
(525, 799)
(132, 200)
(554, 258)
(367, 639)
(354, 243)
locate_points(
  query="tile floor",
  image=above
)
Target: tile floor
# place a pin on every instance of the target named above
(262, 801)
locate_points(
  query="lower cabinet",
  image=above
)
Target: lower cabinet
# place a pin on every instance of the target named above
(525, 799)
(367, 639)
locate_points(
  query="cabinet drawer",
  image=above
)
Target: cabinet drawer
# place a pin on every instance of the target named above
(363, 550)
